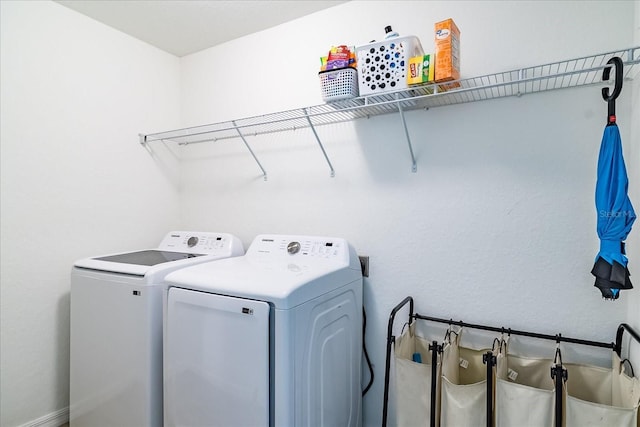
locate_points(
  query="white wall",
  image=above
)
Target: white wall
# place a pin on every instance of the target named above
(498, 224)
(75, 182)
(633, 167)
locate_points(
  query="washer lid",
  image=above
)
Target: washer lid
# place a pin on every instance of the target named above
(148, 257)
(140, 263)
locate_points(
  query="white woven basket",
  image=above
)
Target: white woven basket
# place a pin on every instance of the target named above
(339, 84)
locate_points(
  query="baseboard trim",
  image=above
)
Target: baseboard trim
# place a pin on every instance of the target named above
(54, 419)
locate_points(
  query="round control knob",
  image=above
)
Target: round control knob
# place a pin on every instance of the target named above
(293, 248)
(192, 241)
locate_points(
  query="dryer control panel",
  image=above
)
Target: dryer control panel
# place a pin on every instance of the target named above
(196, 242)
(299, 247)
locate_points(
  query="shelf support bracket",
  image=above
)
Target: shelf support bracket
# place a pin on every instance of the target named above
(264, 173)
(414, 166)
(306, 113)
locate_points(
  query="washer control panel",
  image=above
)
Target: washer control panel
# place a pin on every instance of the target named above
(195, 242)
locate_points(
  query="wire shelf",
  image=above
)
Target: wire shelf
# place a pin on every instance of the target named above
(582, 71)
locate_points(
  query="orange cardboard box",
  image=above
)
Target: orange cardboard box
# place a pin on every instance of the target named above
(447, 44)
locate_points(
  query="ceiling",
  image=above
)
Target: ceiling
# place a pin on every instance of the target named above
(182, 27)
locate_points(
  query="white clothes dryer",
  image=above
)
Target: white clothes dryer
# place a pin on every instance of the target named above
(271, 338)
(116, 328)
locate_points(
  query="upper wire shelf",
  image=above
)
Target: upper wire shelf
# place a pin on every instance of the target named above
(557, 75)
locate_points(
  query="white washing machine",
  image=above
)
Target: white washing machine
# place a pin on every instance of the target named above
(272, 338)
(116, 328)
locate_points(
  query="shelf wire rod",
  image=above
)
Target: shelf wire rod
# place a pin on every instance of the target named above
(313, 129)
(264, 173)
(197, 141)
(414, 166)
(459, 98)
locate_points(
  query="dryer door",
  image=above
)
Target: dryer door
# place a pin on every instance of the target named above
(216, 362)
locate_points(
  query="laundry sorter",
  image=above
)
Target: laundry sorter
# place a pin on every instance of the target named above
(445, 383)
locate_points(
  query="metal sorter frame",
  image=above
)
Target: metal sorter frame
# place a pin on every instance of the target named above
(558, 373)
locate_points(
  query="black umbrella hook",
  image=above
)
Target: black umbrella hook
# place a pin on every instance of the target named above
(611, 98)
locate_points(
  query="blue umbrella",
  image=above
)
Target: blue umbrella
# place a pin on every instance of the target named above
(614, 209)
